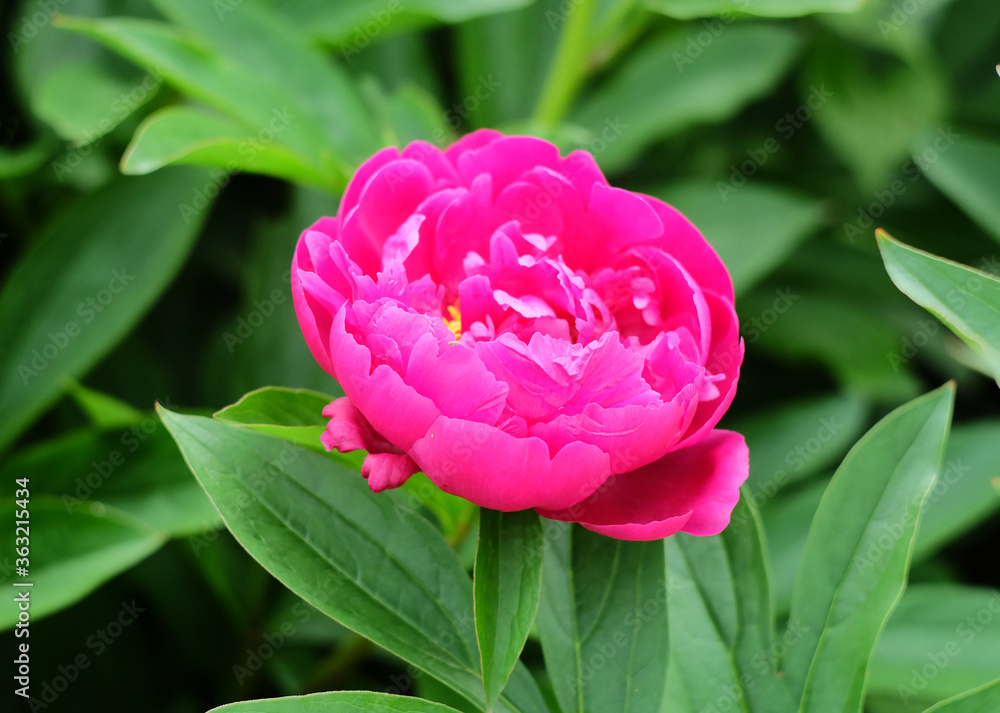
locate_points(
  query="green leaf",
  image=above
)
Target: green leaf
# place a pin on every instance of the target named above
(777, 218)
(104, 410)
(369, 561)
(267, 111)
(135, 469)
(603, 621)
(181, 135)
(71, 553)
(981, 700)
(271, 49)
(962, 497)
(357, 24)
(661, 89)
(508, 581)
(337, 702)
(967, 170)
(856, 558)
(941, 640)
(721, 622)
(81, 288)
(965, 299)
(293, 414)
(688, 9)
(84, 101)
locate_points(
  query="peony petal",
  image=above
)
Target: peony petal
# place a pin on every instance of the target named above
(506, 159)
(725, 357)
(497, 470)
(693, 489)
(456, 381)
(683, 240)
(387, 470)
(393, 408)
(359, 181)
(348, 430)
(471, 142)
(632, 436)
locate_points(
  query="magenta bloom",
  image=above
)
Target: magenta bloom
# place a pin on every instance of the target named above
(503, 320)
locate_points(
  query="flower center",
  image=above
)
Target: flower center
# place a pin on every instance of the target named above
(455, 323)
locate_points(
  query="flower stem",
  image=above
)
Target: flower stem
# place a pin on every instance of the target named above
(568, 66)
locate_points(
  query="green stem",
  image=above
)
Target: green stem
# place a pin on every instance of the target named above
(569, 67)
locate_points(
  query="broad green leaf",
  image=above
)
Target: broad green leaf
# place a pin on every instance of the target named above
(369, 561)
(337, 702)
(967, 170)
(104, 410)
(962, 498)
(270, 48)
(981, 700)
(603, 621)
(267, 111)
(135, 469)
(508, 580)
(77, 291)
(857, 555)
(965, 299)
(85, 101)
(663, 88)
(794, 441)
(854, 341)
(78, 88)
(293, 414)
(356, 25)
(688, 9)
(721, 622)
(70, 553)
(941, 640)
(777, 218)
(181, 135)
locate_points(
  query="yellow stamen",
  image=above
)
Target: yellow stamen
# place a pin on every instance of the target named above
(455, 323)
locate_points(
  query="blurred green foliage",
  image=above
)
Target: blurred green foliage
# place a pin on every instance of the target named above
(788, 135)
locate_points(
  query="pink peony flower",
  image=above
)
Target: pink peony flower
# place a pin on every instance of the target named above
(503, 320)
